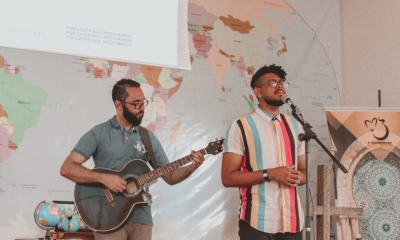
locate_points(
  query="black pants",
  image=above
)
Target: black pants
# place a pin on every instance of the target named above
(247, 232)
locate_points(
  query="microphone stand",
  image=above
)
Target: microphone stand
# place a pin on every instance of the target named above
(310, 134)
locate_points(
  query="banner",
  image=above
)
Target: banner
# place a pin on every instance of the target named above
(367, 143)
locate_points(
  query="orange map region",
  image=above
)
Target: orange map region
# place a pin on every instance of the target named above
(152, 74)
(237, 25)
(97, 71)
(5, 142)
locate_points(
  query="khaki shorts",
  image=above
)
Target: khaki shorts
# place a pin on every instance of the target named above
(129, 231)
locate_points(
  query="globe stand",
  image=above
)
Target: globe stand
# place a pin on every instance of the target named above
(69, 221)
(47, 236)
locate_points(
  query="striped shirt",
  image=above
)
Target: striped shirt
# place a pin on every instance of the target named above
(265, 143)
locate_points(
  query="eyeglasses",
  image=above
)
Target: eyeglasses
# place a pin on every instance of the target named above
(138, 104)
(274, 83)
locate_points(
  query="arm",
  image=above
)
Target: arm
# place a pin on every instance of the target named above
(73, 170)
(180, 174)
(231, 175)
(301, 166)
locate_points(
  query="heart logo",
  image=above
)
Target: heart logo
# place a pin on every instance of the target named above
(371, 124)
(380, 126)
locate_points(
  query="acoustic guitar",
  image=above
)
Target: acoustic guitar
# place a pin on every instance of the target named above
(103, 210)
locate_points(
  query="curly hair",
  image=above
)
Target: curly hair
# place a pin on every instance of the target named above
(267, 69)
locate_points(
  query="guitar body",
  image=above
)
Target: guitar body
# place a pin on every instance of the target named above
(95, 208)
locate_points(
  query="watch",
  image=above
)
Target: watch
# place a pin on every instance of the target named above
(265, 175)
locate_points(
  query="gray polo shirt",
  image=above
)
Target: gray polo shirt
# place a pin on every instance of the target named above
(112, 147)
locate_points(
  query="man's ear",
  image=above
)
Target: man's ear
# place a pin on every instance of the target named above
(118, 105)
(256, 91)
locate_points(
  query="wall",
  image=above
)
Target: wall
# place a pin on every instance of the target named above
(370, 52)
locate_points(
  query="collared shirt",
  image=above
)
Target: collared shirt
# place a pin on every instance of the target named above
(111, 146)
(265, 143)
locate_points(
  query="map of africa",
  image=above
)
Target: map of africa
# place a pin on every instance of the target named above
(47, 101)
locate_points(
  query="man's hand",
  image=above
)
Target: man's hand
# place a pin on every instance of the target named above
(288, 176)
(197, 159)
(114, 182)
(179, 174)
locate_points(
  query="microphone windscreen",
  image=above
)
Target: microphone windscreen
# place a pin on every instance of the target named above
(284, 98)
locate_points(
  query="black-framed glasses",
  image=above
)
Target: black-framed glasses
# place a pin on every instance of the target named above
(274, 82)
(138, 104)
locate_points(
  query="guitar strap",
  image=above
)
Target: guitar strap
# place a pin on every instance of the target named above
(144, 134)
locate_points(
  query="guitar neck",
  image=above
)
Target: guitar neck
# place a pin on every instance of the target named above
(159, 172)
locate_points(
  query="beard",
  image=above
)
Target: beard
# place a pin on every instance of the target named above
(131, 117)
(275, 103)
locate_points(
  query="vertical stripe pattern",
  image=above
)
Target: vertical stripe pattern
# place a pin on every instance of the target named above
(267, 144)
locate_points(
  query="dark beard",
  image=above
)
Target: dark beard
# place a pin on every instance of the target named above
(275, 103)
(131, 117)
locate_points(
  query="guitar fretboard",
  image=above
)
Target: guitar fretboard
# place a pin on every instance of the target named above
(158, 172)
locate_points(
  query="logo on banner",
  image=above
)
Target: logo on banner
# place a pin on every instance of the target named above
(378, 128)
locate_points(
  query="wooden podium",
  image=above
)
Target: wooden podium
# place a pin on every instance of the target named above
(65, 235)
(72, 235)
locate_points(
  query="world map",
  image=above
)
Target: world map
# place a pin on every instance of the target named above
(47, 101)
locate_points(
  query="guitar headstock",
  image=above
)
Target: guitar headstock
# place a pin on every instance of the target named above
(215, 147)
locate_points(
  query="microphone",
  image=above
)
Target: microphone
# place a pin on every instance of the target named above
(286, 99)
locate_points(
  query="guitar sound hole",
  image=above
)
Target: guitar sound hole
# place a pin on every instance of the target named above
(132, 187)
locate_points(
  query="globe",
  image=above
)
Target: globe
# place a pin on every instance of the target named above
(70, 224)
(47, 215)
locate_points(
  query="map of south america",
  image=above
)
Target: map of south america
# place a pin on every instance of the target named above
(20, 107)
